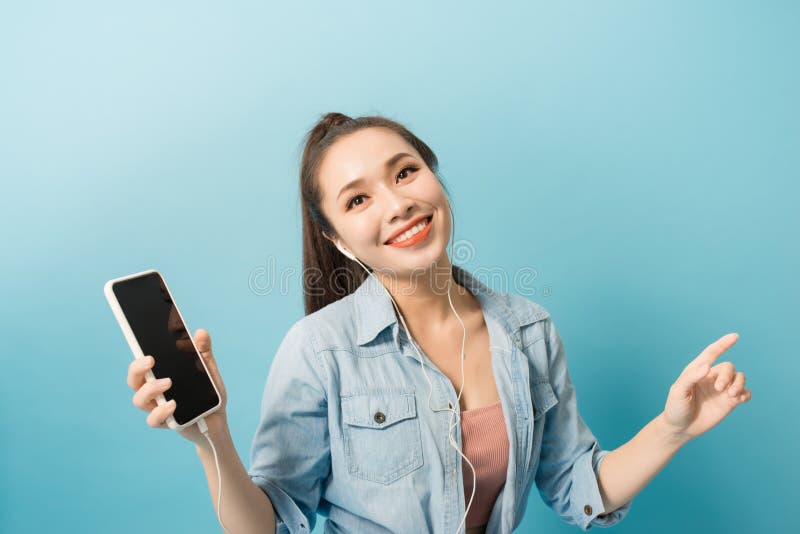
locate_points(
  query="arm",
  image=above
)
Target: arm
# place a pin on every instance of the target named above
(290, 454)
(570, 457)
(625, 471)
(247, 508)
(698, 400)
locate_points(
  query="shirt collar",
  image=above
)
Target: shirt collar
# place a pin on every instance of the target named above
(375, 311)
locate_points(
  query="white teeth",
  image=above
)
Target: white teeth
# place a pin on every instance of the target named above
(414, 231)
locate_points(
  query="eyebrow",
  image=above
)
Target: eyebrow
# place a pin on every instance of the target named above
(360, 181)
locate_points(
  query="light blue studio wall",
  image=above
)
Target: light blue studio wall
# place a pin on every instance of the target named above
(642, 159)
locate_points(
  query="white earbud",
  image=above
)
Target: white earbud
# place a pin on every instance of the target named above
(345, 251)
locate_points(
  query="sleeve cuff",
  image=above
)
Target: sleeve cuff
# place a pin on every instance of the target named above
(289, 519)
(587, 499)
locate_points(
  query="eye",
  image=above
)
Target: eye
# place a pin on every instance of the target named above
(350, 203)
(412, 167)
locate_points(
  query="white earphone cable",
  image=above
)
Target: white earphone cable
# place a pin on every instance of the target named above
(201, 424)
(422, 365)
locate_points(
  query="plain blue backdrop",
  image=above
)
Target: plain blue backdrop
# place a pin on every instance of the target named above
(641, 158)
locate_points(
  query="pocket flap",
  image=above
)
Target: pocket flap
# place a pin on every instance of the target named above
(379, 409)
(543, 397)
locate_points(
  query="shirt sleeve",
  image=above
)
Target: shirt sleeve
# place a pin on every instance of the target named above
(570, 457)
(290, 454)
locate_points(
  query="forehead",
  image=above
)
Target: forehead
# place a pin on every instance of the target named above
(359, 154)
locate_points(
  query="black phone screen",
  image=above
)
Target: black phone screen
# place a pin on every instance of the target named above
(160, 332)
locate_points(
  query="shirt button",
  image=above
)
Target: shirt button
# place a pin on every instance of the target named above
(587, 510)
(379, 417)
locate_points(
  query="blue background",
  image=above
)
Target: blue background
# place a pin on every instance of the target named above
(641, 157)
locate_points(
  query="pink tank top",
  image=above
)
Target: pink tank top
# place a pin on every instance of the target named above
(485, 442)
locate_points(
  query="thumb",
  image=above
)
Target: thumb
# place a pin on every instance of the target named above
(691, 377)
(203, 341)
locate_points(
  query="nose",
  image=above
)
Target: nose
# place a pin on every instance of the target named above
(397, 207)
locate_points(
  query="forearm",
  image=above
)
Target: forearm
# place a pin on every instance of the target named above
(245, 506)
(625, 471)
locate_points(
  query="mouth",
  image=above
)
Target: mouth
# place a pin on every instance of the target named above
(415, 235)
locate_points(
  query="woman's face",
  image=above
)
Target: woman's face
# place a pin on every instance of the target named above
(374, 184)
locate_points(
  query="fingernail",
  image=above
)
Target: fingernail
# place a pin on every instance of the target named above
(164, 381)
(171, 403)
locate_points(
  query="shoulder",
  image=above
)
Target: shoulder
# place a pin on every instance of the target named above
(539, 341)
(301, 357)
(527, 310)
(531, 317)
(331, 326)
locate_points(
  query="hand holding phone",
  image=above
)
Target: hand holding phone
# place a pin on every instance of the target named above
(145, 394)
(154, 327)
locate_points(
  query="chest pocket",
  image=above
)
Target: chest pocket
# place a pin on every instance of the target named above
(381, 434)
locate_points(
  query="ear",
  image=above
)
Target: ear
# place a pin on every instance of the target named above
(329, 237)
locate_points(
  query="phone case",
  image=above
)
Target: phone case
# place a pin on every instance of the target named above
(137, 350)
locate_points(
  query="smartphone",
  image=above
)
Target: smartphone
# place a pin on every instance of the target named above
(152, 324)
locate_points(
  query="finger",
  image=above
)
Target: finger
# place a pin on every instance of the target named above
(146, 394)
(745, 396)
(203, 341)
(158, 416)
(713, 351)
(137, 369)
(738, 385)
(689, 377)
(726, 374)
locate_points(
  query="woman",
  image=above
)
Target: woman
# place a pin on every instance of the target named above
(384, 411)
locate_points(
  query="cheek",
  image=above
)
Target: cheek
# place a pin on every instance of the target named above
(366, 231)
(432, 191)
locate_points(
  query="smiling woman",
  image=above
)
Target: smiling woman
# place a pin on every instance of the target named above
(375, 211)
(351, 422)
(365, 162)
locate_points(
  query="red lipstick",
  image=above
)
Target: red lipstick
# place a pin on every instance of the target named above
(416, 238)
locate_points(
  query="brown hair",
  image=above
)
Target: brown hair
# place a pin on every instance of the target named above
(324, 267)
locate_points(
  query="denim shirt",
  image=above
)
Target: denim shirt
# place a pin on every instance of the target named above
(346, 431)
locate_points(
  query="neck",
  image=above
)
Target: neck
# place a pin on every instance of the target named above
(423, 298)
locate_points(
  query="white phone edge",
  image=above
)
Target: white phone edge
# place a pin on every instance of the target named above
(137, 350)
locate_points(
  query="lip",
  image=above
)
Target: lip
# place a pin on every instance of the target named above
(416, 238)
(407, 227)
